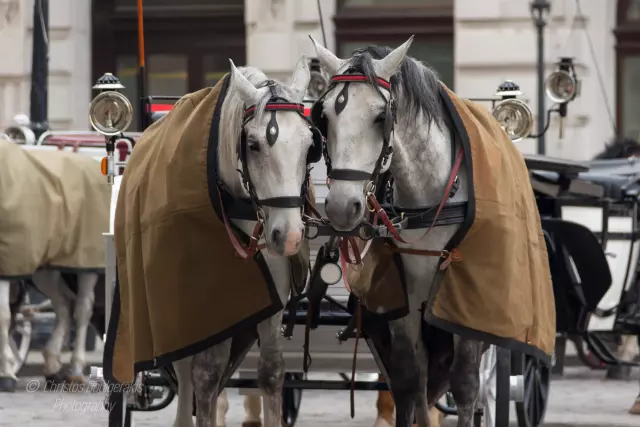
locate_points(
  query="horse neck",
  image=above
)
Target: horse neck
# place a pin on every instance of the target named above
(421, 163)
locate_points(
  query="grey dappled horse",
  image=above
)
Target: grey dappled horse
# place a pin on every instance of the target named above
(276, 170)
(420, 164)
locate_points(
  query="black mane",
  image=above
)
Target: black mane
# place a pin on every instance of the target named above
(619, 148)
(418, 83)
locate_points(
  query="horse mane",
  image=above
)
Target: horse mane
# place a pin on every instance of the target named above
(418, 83)
(231, 116)
(619, 148)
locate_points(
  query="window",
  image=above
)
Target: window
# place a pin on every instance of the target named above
(391, 22)
(628, 68)
(187, 43)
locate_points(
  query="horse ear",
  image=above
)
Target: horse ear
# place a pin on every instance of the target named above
(387, 66)
(300, 79)
(247, 92)
(328, 60)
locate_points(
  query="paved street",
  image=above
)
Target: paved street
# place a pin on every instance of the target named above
(581, 398)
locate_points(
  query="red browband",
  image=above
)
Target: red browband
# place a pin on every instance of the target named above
(155, 108)
(359, 78)
(275, 106)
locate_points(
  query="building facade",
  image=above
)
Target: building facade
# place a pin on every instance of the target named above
(473, 45)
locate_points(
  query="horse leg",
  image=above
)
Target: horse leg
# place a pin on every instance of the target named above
(385, 407)
(82, 315)
(271, 370)
(184, 414)
(222, 406)
(49, 283)
(207, 369)
(252, 409)
(465, 378)
(7, 376)
(406, 385)
(626, 352)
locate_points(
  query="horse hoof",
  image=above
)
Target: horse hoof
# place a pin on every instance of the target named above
(252, 424)
(75, 379)
(635, 409)
(618, 372)
(51, 382)
(7, 385)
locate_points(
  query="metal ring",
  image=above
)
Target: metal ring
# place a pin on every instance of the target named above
(261, 216)
(308, 234)
(369, 188)
(369, 205)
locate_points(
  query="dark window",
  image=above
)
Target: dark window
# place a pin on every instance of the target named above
(187, 44)
(391, 22)
(628, 68)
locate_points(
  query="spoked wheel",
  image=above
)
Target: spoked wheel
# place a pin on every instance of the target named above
(495, 383)
(537, 378)
(20, 342)
(291, 398)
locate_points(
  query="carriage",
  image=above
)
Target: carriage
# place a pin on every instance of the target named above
(333, 317)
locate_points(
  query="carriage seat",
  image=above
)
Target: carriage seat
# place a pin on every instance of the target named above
(615, 186)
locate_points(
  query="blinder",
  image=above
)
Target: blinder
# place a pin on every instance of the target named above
(320, 122)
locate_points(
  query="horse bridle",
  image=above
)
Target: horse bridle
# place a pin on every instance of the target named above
(274, 105)
(318, 119)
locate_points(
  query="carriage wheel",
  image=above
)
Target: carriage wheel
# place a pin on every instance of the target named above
(20, 342)
(537, 378)
(291, 398)
(495, 383)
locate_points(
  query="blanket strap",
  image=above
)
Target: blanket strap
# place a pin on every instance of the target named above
(242, 250)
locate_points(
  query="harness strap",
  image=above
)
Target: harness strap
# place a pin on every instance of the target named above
(379, 211)
(242, 250)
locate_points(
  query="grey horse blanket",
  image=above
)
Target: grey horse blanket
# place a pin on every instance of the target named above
(54, 207)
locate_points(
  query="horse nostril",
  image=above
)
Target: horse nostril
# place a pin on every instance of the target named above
(357, 208)
(276, 235)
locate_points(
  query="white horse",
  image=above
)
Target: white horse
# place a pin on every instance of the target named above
(276, 170)
(421, 164)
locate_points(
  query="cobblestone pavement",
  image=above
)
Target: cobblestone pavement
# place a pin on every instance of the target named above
(580, 398)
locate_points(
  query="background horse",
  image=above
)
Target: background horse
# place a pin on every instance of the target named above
(421, 164)
(271, 149)
(54, 208)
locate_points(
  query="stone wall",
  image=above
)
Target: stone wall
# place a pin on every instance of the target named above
(69, 61)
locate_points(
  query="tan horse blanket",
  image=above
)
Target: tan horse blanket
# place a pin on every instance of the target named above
(54, 207)
(181, 287)
(501, 291)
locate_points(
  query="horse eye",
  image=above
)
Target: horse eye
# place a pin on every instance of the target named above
(379, 119)
(254, 146)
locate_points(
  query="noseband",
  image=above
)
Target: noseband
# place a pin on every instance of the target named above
(320, 121)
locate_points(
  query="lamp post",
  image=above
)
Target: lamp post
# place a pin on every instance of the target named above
(539, 12)
(40, 67)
